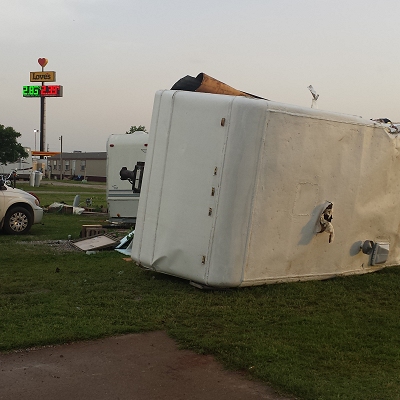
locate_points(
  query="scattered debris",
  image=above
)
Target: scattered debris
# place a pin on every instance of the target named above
(207, 84)
(125, 246)
(390, 127)
(315, 96)
(65, 209)
(92, 230)
(98, 242)
(77, 201)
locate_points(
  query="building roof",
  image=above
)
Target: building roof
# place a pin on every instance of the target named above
(100, 155)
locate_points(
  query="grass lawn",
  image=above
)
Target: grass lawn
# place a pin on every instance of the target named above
(51, 192)
(333, 339)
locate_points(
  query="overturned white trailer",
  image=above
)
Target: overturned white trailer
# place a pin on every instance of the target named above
(236, 192)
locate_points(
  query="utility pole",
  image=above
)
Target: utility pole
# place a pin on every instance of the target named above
(35, 131)
(61, 160)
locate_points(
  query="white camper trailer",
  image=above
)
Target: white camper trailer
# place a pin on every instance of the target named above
(23, 166)
(125, 151)
(241, 192)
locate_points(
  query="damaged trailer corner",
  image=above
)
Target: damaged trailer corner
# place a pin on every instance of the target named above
(241, 191)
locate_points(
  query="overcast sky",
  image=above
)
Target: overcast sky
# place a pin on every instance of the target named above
(111, 56)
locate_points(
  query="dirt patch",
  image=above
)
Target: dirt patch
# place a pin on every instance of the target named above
(57, 245)
(71, 183)
(137, 366)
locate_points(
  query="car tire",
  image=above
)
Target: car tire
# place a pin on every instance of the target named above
(18, 220)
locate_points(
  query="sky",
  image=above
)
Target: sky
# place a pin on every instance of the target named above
(111, 56)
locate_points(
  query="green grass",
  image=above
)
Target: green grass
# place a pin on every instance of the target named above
(334, 339)
(49, 193)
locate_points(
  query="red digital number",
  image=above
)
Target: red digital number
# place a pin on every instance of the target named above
(50, 91)
(53, 90)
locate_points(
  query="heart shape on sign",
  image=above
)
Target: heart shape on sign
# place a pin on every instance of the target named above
(42, 62)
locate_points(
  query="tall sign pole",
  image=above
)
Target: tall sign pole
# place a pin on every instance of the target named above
(42, 91)
(42, 62)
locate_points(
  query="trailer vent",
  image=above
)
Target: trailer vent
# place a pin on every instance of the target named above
(380, 253)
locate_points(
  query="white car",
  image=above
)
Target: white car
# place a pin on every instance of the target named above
(18, 210)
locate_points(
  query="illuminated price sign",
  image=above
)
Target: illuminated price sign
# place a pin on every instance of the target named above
(42, 91)
(31, 91)
(51, 91)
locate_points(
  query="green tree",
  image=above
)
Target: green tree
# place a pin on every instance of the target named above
(135, 128)
(10, 149)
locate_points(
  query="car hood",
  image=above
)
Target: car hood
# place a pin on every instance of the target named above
(18, 193)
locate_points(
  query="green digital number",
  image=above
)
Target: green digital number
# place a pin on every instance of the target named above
(34, 91)
(31, 91)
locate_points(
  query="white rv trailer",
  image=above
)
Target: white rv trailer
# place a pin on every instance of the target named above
(125, 150)
(241, 192)
(23, 166)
